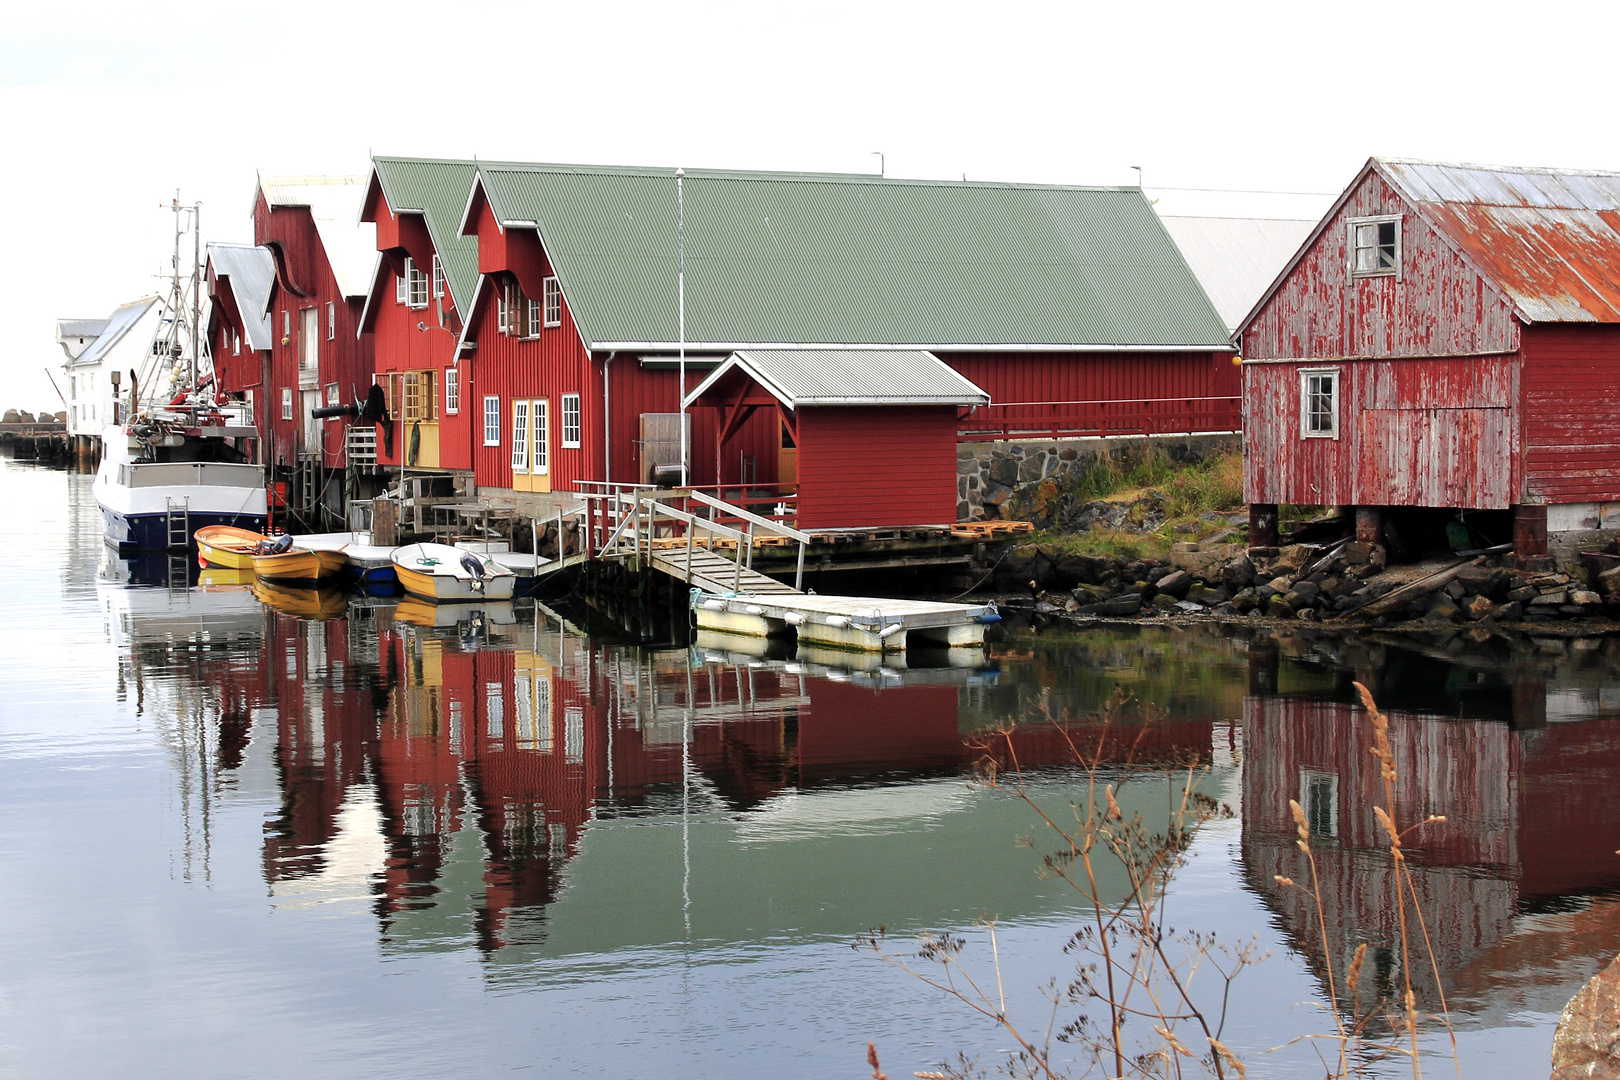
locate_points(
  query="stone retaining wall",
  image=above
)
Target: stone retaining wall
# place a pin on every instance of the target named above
(987, 472)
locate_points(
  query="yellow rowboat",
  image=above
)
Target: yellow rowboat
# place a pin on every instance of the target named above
(419, 612)
(296, 564)
(313, 605)
(223, 545)
(442, 573)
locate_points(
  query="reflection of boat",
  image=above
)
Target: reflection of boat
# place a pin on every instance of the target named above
(224, 575)
(224, 545)
(299, 564)
(316, 605)
(419, 612)
(441, 572)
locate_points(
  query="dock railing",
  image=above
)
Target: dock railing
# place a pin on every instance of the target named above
(1093, 419)
(626, 521)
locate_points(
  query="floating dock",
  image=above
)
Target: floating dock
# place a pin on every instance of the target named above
(858, 623)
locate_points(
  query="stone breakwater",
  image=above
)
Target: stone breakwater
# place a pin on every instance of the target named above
(1301, 582)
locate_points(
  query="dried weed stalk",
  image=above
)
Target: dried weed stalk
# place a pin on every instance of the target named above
(1131, 1010)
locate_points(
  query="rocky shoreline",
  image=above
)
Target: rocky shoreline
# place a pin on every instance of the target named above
(1344, 582)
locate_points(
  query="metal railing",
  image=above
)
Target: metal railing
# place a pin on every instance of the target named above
(626, 524)
(1080, 419)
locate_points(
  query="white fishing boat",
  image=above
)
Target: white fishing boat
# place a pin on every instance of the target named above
(440, 572)
(176, 458)
(368, 564)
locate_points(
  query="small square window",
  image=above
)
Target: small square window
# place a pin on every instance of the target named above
(452, 391)
(532, 317)
(331, 393)
(1319, 404)
(553, 301)
(492, 421)
(1375, 247)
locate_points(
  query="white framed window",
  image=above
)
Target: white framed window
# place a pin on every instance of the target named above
(438, 277)
(553, 299)
(492, 421)
(452, 391)
(416, 285)
(417, 397)
(1319, 799)
(400, 285)
(1374, 246)
(540, 461)
(331, 393)
(286, 403)
(531, 317)
(286, 326)
(503, 318)
(1319, 403)
(331, 321)
(236, 343)
(520, 436)
(570, 421)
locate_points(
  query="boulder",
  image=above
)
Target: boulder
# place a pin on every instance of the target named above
(1073, 569)
(1479, 607)
(1238, 574)
(1186, 607)
(1308, 590)
(1608, 584)
(1123, 604)
(1245, 600)
(1165, 602)
(1174, 585)
(1277, 607)
(1523, 594)
(1444, 606)
(1550, 599)
(1586, 1043)
(1455, 590)
(1584, 597)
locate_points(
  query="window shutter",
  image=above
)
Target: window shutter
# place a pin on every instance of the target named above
(403, 285)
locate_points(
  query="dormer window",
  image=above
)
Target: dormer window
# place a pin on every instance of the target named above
(1375, 247)
(553, 301)
(415, 285)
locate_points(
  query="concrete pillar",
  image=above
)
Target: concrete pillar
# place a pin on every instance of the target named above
(1262, 524)
(1529, 530)
(1369, 524)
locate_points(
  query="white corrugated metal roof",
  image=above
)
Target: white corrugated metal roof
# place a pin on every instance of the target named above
(1237, 259)
(334, 203)
(120, 323)
(77, 335)
(250, 272)
(850, 377)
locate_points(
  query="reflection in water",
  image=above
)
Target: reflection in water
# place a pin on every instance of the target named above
(613, 828)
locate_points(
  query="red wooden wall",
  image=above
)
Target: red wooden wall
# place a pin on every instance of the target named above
(304, 279)
(1571, 397)
(877, 465)
(1437, 307)
(1020, 377)
(1395, 446)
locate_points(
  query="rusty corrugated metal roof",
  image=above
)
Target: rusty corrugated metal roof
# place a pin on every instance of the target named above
(1548, 238)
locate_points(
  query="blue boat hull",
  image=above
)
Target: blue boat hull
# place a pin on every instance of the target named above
(150, 532)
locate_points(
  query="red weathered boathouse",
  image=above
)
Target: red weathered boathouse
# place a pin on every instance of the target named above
(1448, 337)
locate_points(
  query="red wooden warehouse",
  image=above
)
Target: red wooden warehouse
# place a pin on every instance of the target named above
(1447, 338)
(1069, 309)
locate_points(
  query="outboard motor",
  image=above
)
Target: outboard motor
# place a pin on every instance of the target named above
(470, 563)
(279, 546)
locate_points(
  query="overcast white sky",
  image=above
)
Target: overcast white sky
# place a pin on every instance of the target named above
(110, 107)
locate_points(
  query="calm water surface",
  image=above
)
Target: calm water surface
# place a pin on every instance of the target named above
(246, 835)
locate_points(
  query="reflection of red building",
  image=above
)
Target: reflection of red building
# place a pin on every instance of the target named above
(1510, 798)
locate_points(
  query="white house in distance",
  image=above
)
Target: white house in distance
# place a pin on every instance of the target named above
(95, 348)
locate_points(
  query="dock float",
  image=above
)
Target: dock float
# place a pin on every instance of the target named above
(858, 623)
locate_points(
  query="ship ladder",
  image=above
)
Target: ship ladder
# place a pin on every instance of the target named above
(177, 521)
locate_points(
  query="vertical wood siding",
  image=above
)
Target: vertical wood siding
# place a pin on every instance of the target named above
(398, 345)
(1125, 377)
(1571, 405)
(302, 268)
(1437, 307)
(877, 465)
(1411, 433)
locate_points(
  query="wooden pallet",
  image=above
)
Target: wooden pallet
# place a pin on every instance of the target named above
(988, 530)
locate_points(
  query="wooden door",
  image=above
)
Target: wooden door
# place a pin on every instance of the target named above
(540, 449)
(661, 443)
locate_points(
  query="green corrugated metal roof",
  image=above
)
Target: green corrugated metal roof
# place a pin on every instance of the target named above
(438, 189)
(841, 259)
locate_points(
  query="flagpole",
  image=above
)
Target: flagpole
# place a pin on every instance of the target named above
(680, 305)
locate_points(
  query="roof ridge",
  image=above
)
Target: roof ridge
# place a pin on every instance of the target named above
(1548, 169)
(785, 176)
